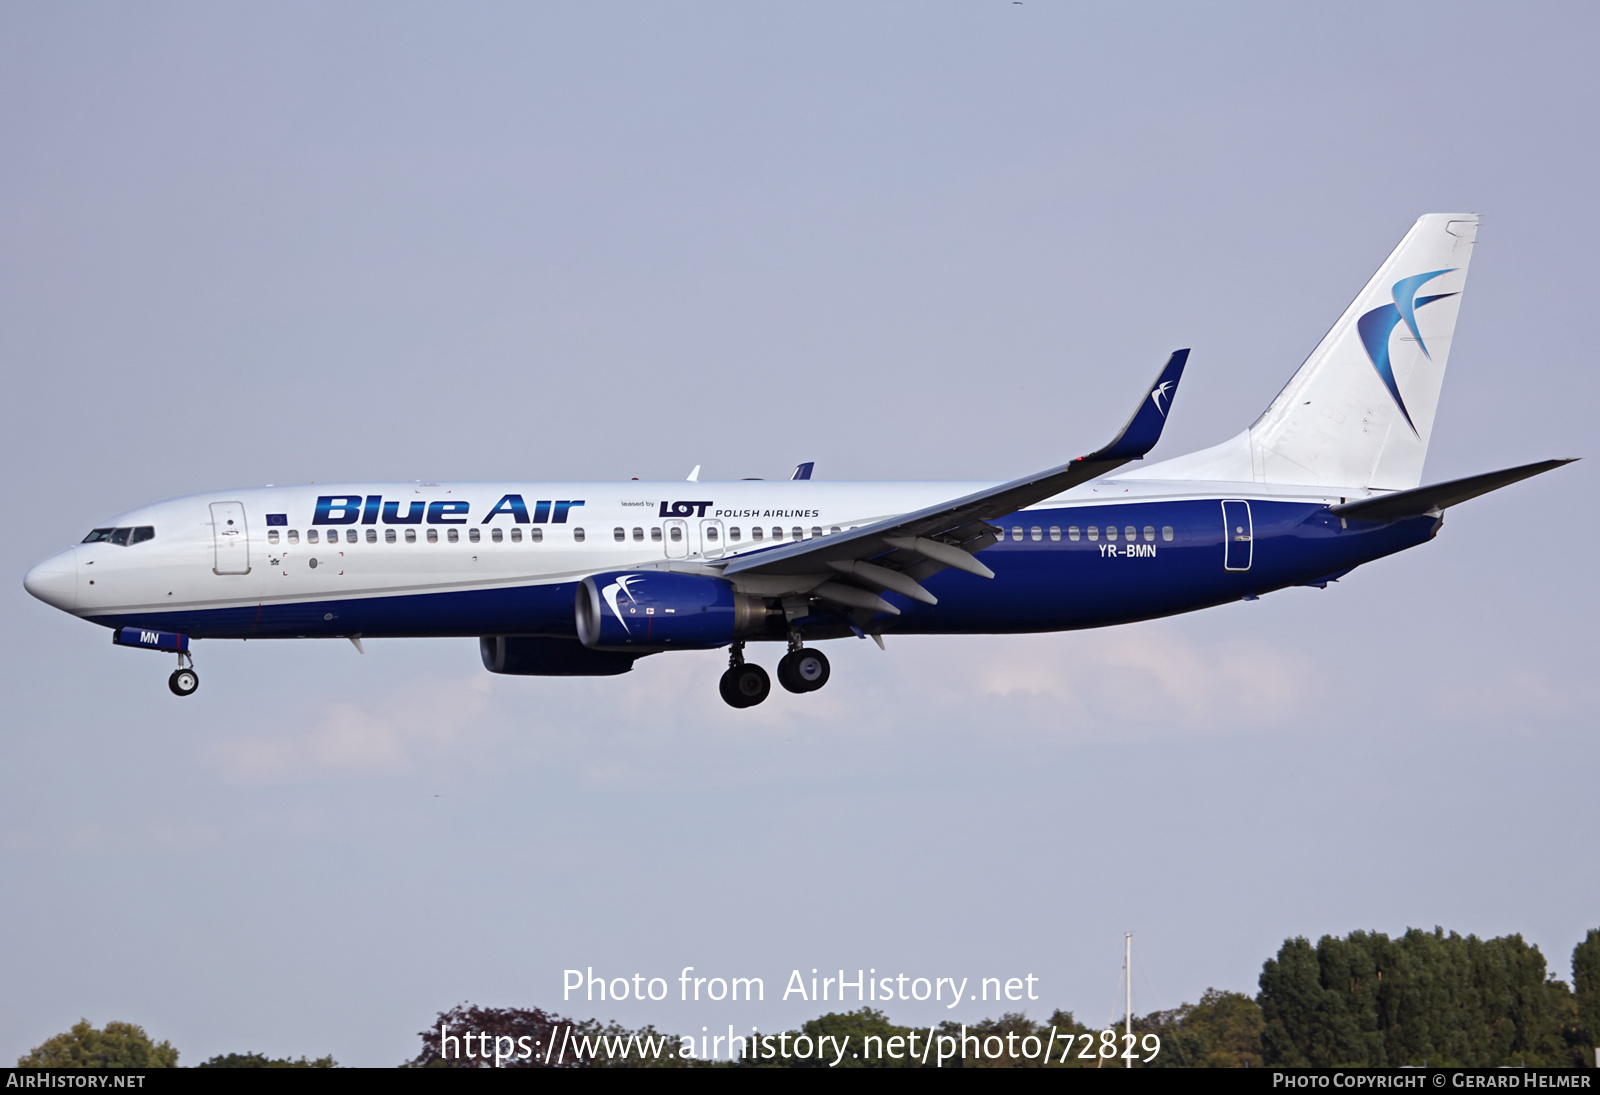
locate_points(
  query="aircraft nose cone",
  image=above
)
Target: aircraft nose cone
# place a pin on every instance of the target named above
(55, 581)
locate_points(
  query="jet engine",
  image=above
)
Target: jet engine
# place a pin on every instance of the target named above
(538, 656)
(646, 610)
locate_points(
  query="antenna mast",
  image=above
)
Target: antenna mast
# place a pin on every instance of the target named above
(1127, 1013)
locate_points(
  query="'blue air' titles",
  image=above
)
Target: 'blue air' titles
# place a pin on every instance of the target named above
(348, 509)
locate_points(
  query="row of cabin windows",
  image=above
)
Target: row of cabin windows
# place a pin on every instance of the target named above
(673, 534)
(122, 537)
(451, 535)
(735, 534)
(1129, 533)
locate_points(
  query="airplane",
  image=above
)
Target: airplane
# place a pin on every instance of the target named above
(583, 579)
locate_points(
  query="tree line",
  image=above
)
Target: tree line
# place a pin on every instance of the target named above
(1362, 1000)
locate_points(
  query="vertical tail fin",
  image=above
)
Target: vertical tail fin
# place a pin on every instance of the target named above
(1360, 411)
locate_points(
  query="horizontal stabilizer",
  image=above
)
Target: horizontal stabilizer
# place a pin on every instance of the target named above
(1421, 500)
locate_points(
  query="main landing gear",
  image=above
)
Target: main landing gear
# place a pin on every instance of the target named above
(745, 684)
(803, 670)
(184, 679)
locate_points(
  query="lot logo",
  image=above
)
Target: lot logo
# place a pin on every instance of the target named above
(684, 509)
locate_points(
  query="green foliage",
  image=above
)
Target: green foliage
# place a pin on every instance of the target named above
(261, 1060)
(119, 1045)
(534, 1038)
(875, 1042)
(1586, 993)
(1369, 1001)
(1222, 1031)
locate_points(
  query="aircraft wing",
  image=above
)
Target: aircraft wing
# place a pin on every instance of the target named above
(897, 553)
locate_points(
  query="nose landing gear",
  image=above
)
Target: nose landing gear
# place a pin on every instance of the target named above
(184, 680)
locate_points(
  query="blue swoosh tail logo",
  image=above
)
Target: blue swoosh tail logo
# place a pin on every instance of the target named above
(1376, 326)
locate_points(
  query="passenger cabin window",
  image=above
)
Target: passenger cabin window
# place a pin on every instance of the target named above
(733, 534)
(619, 534)
(1016, 533)
(1111, 532)
(1166, 533)
(1149, 533)
(757, 533)
(777, 533)
(411, 535)
(638, 535)
(655, 534)
(372, 535)
(1072, 533)
(535, 535)
(294, 536)
(675, 534)
(711, 533)
(1094, 533)
(453, 535)
(798, 533)
(473, 535)
(577, 535)
(1055, 532)
(1036, 533)
(834, 531)
(516, 536)
(433, 536)
(272, 536)
(497, 535)
(815, 532)
(388, 536)
(312, 536)
(1130, 534)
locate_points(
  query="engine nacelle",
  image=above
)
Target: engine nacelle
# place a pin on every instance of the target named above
(536, 656)
(645, 610)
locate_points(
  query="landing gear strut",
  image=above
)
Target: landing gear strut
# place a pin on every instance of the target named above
(744, 684)
(803, 670)
(184, 679)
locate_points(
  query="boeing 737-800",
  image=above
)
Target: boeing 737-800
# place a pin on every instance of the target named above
(562, 579)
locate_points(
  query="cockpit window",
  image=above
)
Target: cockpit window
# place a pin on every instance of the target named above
(122, 537)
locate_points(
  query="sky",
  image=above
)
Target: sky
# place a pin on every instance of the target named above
(246, 244)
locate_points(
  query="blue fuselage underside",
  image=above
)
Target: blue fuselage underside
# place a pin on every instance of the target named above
(1039, 585)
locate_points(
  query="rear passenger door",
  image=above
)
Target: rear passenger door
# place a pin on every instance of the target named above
(1238, 537)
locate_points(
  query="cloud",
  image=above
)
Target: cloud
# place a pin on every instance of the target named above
(418, 722)
(1143, 681)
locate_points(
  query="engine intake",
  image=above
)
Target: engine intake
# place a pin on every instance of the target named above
(660, 610)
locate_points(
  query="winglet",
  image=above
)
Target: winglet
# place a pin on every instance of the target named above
(803, 471)
(1143, 430)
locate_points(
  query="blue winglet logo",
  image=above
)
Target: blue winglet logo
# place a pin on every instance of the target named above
(1377, 325)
